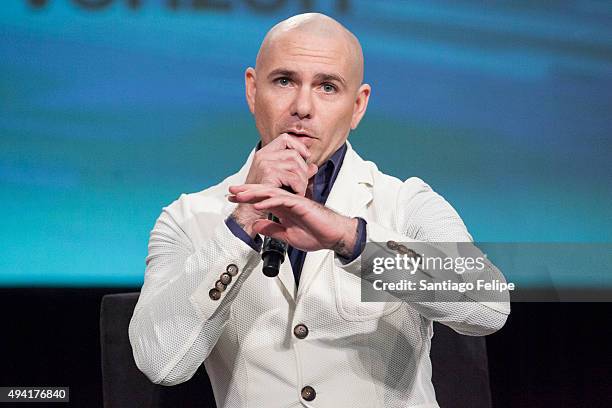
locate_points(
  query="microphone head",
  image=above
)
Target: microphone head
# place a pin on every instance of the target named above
(273, 253)
(271, 264)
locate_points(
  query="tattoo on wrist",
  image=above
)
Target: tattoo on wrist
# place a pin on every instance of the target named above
(342, 249)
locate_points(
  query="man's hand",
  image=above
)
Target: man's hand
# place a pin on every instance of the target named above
(282, 162)
(304, 223)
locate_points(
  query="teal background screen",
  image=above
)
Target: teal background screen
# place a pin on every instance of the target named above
(109, 110)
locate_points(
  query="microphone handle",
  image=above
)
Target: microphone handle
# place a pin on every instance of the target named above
(273, 253)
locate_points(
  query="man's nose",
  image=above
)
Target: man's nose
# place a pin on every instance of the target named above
(302, 104)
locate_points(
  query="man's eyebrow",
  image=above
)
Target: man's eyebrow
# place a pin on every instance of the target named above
(282, 72)
(321, 77)
(330, 78)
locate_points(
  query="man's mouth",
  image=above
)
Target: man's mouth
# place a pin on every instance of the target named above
(299, 134)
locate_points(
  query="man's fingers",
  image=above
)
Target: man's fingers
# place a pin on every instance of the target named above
(244, 193)
(287, 141)
(283, 162)
(274, 202)
(243, 187)
(270, 229)
(293, 161)
(297, 184)
(268, 195)
(253, 193)
(285, 158)
(278, 168)
(290, 173)
(285, 178)
(312, 170)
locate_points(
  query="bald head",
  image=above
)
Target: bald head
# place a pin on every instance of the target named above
(319, 27)
(307, 84)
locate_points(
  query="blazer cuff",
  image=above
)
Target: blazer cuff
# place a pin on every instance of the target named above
(359, 243)
(241, 234)
(232, 256)
(372, 233)
(388, 243)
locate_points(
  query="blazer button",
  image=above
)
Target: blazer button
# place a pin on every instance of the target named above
(300, 331)
(214, 294)
(232, 269)
(412, 254)
(308, 393)
(392, 245)
(220, 286)
(225, 278)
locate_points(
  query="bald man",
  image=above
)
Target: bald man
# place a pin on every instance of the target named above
(303, 338)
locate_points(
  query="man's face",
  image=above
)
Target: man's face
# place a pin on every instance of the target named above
(307, 85)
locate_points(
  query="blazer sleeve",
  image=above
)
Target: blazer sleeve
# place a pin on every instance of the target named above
(427, 224)
(176, 323)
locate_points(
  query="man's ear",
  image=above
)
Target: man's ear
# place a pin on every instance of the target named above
(361, 104)
(250, 87)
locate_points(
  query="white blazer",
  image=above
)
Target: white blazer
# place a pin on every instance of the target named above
(354, 354)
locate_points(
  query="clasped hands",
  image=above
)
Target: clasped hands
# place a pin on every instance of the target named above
(304, 223)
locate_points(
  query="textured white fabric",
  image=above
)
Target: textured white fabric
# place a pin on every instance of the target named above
(357, 354)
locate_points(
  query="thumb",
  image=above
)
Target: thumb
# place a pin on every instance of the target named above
(312, 170)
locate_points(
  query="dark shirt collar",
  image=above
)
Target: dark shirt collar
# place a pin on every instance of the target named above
(336, 160)
(327, 174)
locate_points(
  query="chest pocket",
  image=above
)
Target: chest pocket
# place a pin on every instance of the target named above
(347, 288)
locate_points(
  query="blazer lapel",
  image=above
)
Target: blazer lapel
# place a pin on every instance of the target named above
(349, 196)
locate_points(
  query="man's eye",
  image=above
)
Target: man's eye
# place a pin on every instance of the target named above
(329, 88)
(283, 81)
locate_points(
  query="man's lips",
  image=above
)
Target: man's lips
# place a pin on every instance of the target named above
(299, 133)
(303, 137)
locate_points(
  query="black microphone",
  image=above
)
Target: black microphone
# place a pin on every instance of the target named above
(273, 250)
(273, 253)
